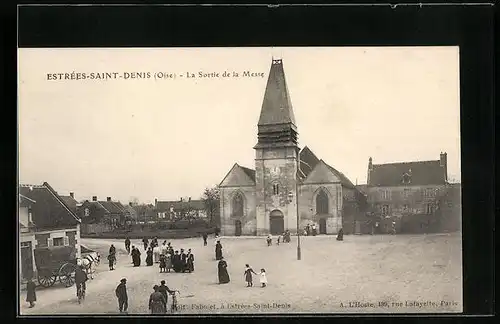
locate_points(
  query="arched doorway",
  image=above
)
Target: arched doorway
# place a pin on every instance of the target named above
(276, 222)
(322, 226)
(237, 228)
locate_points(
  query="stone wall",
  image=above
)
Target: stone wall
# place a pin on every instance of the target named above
(277, 166)
(228, 221)
(307, 206)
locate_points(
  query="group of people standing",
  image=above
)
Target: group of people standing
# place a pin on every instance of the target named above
(284, 237)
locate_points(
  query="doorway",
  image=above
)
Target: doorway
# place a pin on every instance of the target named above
(276, 222)
(322, 226)
(237, 228)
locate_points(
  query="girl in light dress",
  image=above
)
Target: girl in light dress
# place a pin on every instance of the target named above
(263, 278)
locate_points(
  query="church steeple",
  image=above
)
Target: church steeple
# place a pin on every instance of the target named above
(276, 125)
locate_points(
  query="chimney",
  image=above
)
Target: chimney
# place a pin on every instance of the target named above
(94, 198)
(443, 162)
(72, 195)
(156, 202)
(108, 198)
(189, 199)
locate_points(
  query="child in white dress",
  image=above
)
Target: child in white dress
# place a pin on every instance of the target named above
(263, 278)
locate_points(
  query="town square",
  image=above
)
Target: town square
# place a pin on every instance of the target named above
(157, 205)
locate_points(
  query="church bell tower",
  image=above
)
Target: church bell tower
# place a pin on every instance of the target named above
(276, 155)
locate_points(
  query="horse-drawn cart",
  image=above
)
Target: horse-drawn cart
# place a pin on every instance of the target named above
(56, 263)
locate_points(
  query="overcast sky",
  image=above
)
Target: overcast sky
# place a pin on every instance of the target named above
(168, 138)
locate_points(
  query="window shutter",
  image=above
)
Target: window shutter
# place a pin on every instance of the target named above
(50, 242)
(66, 241)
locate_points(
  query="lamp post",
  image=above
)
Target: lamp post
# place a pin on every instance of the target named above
(290, 196)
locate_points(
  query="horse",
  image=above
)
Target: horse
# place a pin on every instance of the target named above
(87, 263)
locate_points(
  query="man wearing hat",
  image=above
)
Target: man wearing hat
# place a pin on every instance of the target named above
(165, 291)
(121, 294)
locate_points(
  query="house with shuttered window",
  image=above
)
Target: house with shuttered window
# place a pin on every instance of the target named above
(45, 220)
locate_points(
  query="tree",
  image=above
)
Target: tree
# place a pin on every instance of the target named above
(211, 198)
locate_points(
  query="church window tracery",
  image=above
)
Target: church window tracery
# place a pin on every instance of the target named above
(237, 205)
(322, 203)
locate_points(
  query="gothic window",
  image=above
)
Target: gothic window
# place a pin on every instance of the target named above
(237, 205)
(322, 203)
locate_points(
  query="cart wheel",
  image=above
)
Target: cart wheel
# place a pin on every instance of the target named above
(46, 280)
(66, 274)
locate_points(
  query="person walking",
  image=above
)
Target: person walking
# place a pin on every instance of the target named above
(121, 294)
(263, 278)
(340, 235)
(111, 260)
(190, 261)
(269, 240)
(218, 251)
(248, 275)
(136, 256)
(127, 245)
(149, 257)
(222, 272)
(157, 302)
(145, 242)
(31, 292)
(205, 237)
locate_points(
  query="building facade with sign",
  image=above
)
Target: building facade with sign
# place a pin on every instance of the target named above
(264, 200)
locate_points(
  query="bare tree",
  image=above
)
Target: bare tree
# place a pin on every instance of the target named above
(211, 198)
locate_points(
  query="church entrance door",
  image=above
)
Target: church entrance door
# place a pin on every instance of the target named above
(276, 222)
(322, 226)
(237, 228)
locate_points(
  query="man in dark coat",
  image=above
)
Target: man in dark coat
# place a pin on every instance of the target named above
(127, 245)
(165, 291)
(157, 302)
(205, 236)
(31, 292)
(218, 251)
(183, 260)
(121, 294)
(190, 261)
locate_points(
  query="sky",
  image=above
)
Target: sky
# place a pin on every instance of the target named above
(166, 138)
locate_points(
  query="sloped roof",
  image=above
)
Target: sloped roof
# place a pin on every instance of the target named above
(50, 210)
(112, 207)
(276, 105)
(362, 188)
(70, 201)
(420, 172)
(179, 205)
(308, 161)
(343, 179)
(249, 172)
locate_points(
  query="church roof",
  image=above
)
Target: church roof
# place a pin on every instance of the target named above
(249, 172)
(308, 161)
(420, 172)
(276, 106)
(343, 179)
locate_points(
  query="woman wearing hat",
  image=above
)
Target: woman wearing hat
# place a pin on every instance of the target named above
(157, 302)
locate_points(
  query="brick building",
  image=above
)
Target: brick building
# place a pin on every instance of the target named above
(264, 200)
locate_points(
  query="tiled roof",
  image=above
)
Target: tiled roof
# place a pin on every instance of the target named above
(179, 205)
(70, 201)
(362, 188)
(112, 207)
(249, 172)
(276, 106)
(308, 161)
(420, 172)
(343, 179)
(50, 210)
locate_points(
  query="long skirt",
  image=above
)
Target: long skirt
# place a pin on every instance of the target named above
(149, 260)
(158, 308)
(156, 256)
(223, 276)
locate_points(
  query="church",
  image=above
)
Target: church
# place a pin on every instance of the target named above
(287, 182)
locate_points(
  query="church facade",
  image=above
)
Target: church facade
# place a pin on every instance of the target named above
(264, 200)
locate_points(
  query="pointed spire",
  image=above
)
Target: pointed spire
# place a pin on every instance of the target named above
(276, 106)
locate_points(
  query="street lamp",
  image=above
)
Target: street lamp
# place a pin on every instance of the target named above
(290, 196)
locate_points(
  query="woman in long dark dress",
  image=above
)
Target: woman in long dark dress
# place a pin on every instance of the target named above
(218, 251)
(136, 256)
(149, 257)
(340, 235)
(222, 272)
(31, 293)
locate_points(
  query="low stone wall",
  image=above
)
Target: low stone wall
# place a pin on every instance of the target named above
(164, 234)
